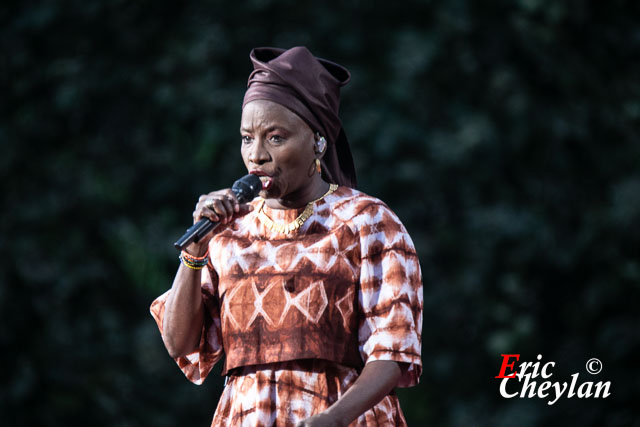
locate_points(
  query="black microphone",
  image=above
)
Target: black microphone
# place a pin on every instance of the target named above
(245, 190)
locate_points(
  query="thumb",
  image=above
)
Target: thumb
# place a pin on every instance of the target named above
(244, 209)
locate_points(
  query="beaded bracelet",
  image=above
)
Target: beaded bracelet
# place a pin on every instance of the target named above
(194, 262)
(193, 265)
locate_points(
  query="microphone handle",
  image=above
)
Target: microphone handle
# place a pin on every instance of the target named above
(196, 232)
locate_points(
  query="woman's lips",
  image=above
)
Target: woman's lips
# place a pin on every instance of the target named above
(266, 182)
(266, 179)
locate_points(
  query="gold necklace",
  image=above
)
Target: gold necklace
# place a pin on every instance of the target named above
(296, 223)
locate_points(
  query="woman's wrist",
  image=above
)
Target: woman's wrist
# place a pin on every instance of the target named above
(197, 250)
(323, 419)
(337, 417)
(193, 262)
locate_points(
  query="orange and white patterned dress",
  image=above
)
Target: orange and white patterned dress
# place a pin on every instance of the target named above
(297, 316)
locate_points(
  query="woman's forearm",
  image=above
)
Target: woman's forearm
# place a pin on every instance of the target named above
(377, 379)
(183, 313)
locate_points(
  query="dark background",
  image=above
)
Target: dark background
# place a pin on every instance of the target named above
(503, 133)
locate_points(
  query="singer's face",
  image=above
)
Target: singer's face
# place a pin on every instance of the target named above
(278, 146)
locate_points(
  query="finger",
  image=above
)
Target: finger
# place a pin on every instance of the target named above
(204, 208)
(204, 212)
(211, 214)
(231, 196)
(204, 202)
(244, 209)
(229, 205)
(222, 207)
(236, 203)
(208, 202)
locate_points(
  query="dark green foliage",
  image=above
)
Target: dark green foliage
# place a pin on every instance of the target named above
(504, 134)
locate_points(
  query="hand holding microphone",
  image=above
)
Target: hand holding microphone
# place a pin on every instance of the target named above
(219, 207)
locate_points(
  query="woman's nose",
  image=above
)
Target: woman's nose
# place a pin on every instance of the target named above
(258, 154)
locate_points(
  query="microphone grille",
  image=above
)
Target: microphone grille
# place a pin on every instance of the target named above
(247, 188)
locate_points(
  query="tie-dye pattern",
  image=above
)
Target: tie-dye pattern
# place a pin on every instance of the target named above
(297, 316)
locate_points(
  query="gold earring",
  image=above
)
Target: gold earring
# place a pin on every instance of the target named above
(318, 167)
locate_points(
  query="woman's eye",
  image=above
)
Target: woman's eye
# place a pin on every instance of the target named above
(276, 138)
(245, 139)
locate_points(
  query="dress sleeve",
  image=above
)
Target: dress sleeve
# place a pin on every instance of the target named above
(390, 297)
(197, 365)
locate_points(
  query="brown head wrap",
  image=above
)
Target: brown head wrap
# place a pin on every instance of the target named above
(310, 87)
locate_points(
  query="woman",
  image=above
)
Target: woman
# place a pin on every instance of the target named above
(312, 291)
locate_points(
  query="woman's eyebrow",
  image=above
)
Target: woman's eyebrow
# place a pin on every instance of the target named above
(269, 129)
(276, 127)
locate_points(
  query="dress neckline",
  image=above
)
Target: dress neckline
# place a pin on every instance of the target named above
(289, 220)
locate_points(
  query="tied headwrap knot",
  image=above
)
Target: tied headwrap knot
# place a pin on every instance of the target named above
(310, 87)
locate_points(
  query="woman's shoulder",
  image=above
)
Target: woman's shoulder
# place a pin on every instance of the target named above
(347, 198)
(351, 205)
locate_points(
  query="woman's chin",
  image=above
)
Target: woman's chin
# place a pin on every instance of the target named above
(269, 193)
